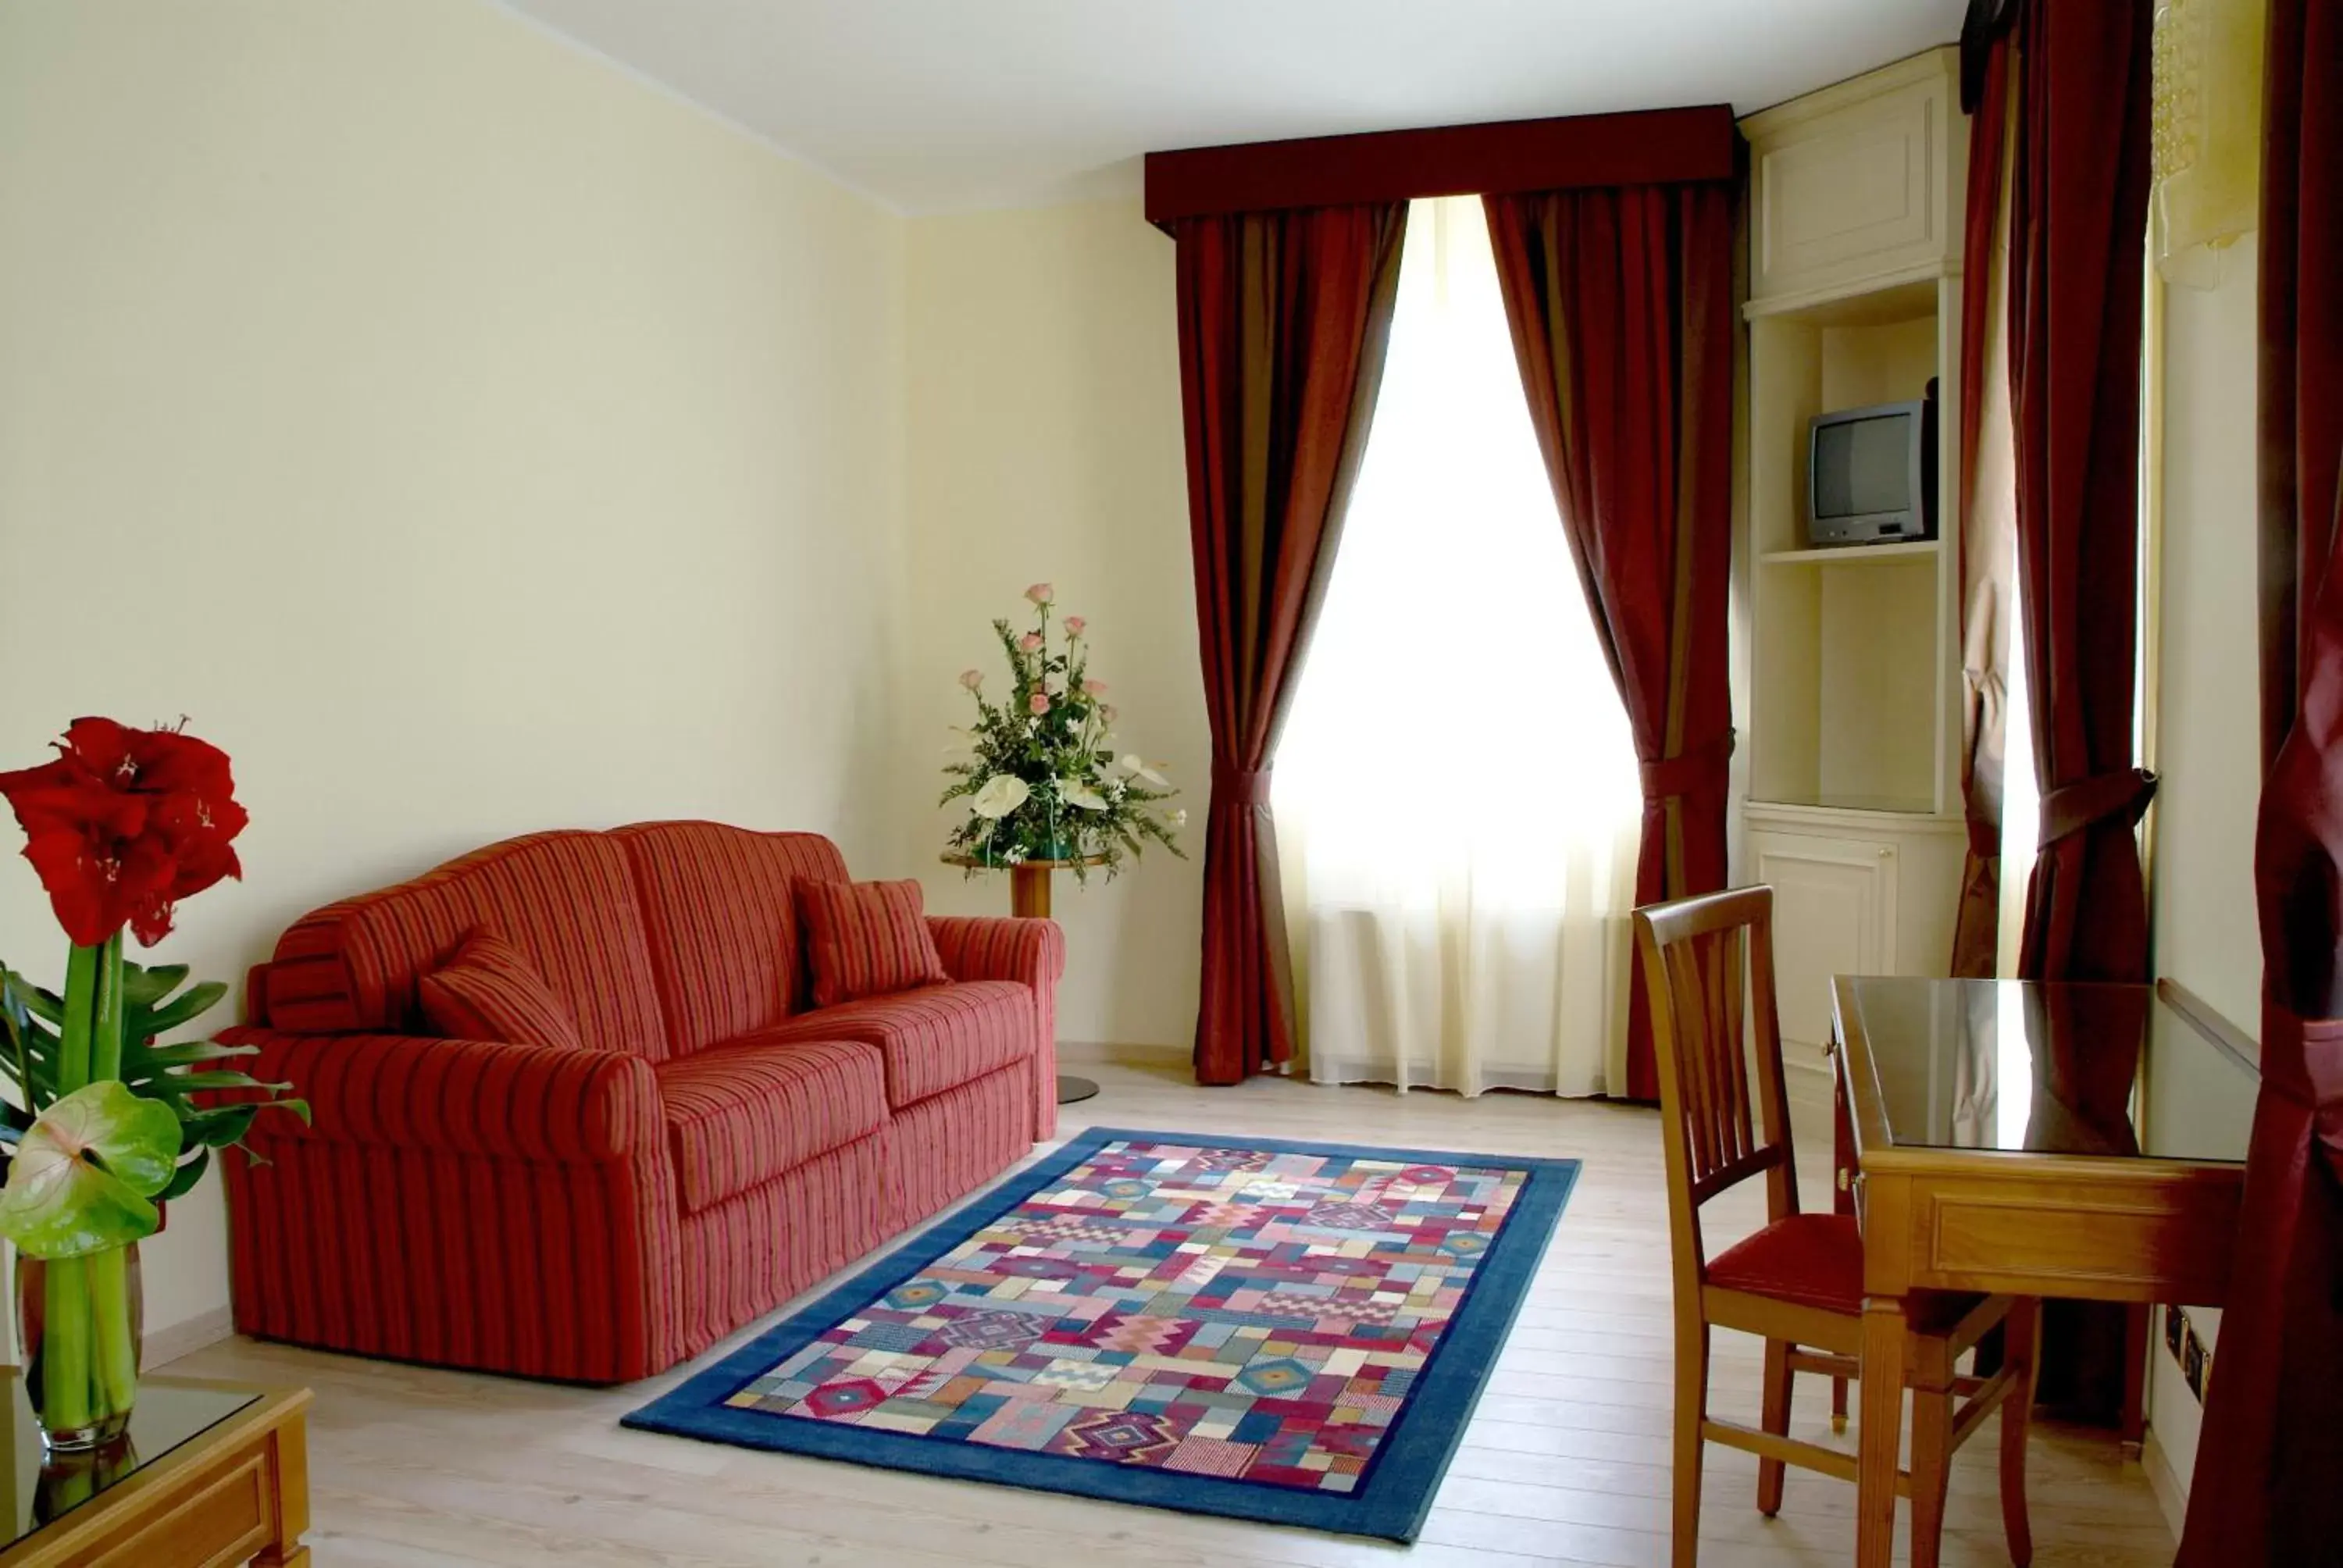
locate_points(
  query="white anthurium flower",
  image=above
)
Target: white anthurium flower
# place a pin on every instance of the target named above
(999, 796)
(1139, 767)
(1074, 792)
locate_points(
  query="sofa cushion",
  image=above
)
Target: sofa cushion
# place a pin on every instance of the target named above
(866, 939)
(565, 899)
(932, 1038)
(723, 922)
(744, 1114)
(492, 992)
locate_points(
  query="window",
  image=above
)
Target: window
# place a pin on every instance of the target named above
(1456, 790)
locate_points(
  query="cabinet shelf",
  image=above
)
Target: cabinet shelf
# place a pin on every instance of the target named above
(1852, 810)
(1853, 554)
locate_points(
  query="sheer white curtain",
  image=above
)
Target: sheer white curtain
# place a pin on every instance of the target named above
(1456, 793)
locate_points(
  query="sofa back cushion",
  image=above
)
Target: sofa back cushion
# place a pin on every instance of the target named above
(865, 939)
(723, 924)
(565, 901)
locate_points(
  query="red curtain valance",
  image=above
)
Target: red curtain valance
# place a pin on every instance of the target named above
(1652, 146)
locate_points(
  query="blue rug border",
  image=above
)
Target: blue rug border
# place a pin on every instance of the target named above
(1397, 1489)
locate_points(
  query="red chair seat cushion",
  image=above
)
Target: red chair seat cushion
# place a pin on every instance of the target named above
(1810, 1260)
(742, 1114)
(931, 1039)
(866, 938)
(491, 992)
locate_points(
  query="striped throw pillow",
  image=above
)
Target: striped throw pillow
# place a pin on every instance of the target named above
(866, 938)
(491, 992)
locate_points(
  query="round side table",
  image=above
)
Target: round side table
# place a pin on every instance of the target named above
(1029, 899)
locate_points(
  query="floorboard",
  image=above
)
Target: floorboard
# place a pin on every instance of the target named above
(1565, 1461)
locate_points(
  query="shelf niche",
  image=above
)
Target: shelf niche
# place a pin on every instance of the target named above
(1849, 640)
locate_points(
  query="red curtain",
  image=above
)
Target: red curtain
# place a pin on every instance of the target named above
(2268, 1488)
(2079, 221)
(1985, 545)
(1283, 320)
(1621, 303)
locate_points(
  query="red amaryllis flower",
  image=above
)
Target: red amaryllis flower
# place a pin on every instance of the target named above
(123, 823)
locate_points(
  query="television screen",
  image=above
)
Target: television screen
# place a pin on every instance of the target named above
(1863, 465)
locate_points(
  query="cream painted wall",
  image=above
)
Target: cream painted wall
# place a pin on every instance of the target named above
(1045, 444)
(471, 440)
(2208, 747)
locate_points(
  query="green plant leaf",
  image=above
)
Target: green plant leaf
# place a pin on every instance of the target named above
(85, 1172)
(226, 1124)
(138, 1058)
(184, 1180)
(143, 987)
(144, 1023)
(43, 1004)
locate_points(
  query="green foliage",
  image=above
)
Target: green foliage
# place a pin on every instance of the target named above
(85, 1173)
(1080, 800)
(169, 1075)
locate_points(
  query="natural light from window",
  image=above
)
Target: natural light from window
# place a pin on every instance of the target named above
(1456, 788)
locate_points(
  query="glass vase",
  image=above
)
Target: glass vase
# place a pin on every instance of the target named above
(80, 1323)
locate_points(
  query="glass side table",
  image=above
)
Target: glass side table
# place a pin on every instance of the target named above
(217, 1472)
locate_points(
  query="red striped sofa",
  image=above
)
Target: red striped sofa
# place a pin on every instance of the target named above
(596, 1214)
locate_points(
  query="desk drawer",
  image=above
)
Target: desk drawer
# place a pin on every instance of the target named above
(2158, 1235)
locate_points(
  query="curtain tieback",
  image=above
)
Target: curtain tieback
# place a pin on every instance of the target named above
(1240, 786)
(2071, 808)
(1689, 773)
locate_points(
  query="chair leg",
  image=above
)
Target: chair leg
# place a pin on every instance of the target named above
(2023, 1357)
(1692, 1409)
(1932, 1450)
(1838, 1405)
(1775, 1419)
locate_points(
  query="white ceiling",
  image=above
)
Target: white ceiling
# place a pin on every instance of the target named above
(935, 105)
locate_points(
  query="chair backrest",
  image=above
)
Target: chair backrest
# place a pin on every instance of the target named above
(1696, 956)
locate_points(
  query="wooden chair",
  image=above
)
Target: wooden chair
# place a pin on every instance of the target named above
(1797, 1283)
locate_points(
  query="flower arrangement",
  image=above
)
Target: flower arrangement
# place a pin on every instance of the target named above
(103, 1123)
(1044, 782)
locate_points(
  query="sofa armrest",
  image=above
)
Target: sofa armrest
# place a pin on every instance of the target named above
(534, 1102)
(982, 947)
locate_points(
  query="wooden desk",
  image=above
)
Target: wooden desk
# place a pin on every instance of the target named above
(2025, 1140)
(212, 1474)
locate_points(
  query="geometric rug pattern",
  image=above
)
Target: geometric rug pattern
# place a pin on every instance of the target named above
(1287, 1332)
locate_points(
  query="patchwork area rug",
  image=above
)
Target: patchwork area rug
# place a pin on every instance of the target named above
(1289, 1332)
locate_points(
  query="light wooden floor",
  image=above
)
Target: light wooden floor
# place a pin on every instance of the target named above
(1566, 1461)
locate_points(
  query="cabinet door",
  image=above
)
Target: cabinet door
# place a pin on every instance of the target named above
(1833, 914)
(1859, 190)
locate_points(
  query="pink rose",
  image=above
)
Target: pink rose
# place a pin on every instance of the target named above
(1093, 688)
(1038, 703)
(1041, 593)
(1030, 642)
(972, 679)
(1074, 624)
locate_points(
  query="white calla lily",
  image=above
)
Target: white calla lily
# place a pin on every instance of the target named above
(1074, 792)
(999, 796)
(1139, 767)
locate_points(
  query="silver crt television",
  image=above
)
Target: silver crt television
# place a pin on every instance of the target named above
(1871, 474)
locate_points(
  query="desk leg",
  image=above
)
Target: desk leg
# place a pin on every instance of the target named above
(1883, 1430)
(1843, 1163)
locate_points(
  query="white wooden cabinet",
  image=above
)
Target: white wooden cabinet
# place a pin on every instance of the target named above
(1859, 184)
(1833, 913)
(1853, 811)
(1854, 893)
